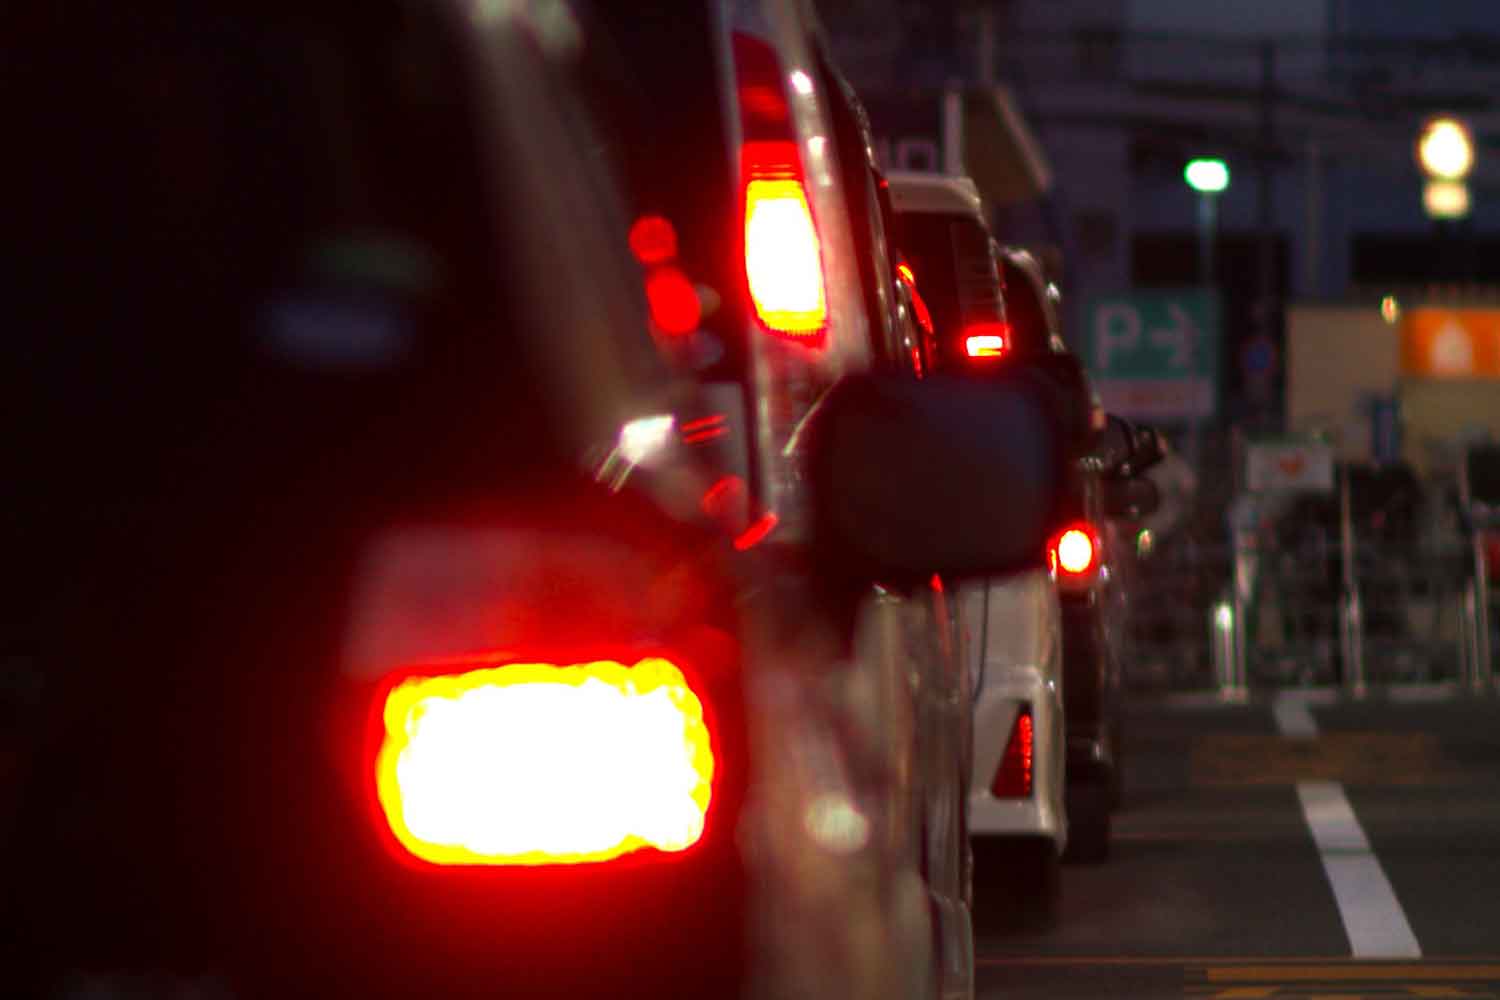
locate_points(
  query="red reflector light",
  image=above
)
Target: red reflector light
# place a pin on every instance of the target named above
(1075, 551)
(986, 340)
(653, 240)
(757, 532)
(1013, 776)
(705, 429)
(534, 763)
(918, 304)
(783, 256)
(675, 308)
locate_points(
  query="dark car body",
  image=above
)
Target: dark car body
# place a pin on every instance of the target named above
(338, 383)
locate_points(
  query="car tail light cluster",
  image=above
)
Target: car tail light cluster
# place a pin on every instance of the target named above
(536, 763)
(1074, 554)
(1013, 778)
(545, 695)
(783, 254)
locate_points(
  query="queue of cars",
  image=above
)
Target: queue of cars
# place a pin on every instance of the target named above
(498, 516)
(1047, 713)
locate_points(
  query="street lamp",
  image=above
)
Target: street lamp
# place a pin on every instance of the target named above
(1209, 178)
(1445, 152)
(1445, 149)
(1446, 199)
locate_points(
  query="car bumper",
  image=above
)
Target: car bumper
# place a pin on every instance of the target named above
(1004, 694)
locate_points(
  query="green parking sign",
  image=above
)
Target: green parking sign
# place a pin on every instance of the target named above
(1154, 355)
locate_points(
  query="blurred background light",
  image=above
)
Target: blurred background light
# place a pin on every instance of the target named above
(1446, 199)
(1445, 149)
(1207, 176)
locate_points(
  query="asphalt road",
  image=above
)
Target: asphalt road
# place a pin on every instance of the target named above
(1323, 850)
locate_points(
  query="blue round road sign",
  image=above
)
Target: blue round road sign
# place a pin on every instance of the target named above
(1258, 356)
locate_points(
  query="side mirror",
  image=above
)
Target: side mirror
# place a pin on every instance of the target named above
(1114, 445)
(1131, 499)
(1149, 449)
(1123, 449)
(947, 476)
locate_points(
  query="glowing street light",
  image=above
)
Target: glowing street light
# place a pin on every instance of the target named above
(1445, 149)
(1207, 176)
(1446, 199)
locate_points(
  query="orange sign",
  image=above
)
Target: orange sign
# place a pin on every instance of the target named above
(1451, 343)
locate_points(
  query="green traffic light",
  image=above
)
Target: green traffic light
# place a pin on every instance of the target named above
(1207, 176)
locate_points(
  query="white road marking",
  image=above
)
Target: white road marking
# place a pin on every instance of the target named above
(1293, 718)
(1373, 918)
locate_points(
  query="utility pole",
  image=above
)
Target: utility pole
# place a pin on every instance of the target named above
(1312, 240)
(986, 40)
(1266, 307)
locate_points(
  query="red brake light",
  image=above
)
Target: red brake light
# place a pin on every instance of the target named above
(1074, 552)
(533, 725)
(783, 256)
(653, 240)
(986, 340)
(1013, 777)
(535, 763)
(675, 308)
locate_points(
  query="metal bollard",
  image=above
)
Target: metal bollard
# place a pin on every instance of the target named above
(1352, 643)
(1468, 641)
(1225, 642)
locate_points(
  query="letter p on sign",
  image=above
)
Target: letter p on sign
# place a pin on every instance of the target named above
(1117, 330)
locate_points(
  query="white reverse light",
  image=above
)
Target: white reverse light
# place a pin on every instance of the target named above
(645, 438)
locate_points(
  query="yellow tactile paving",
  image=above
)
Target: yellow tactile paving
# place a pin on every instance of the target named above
(1349, 758)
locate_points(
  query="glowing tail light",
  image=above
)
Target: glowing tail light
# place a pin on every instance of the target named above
(1074, 553)
(653, 239)
(986, 340)
(673, 300)
(783, 258)
(1013, 778)
(531, 764)
(919, 305)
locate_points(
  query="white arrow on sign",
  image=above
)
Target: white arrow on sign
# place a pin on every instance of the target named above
(1181, 337)
(1117, 327)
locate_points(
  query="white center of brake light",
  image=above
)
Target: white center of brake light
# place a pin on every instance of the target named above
(542, 764)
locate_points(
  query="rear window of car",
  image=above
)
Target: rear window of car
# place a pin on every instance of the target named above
(956, 273)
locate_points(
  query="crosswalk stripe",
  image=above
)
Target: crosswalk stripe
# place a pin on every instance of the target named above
(1372, 915)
